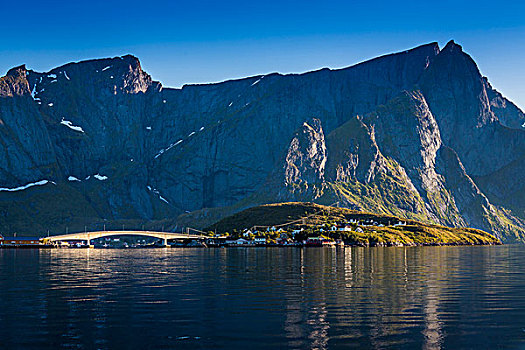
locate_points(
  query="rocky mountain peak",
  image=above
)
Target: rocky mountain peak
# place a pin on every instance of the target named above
(17, 71)
(451, 46)
(108, 76)
(15, 82)
(128, 71)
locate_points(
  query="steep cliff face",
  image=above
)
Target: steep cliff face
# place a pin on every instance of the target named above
(457, 94)
(508, 113)
(419, 134)
(306, 156)
(27, 151)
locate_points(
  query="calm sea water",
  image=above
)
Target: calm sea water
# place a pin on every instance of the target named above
(263, 298)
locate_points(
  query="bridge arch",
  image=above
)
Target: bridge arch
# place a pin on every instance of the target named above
(89, 236)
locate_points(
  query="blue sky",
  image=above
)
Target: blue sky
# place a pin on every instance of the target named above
(180, 42)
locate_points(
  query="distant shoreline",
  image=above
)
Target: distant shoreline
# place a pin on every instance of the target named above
(252, 246)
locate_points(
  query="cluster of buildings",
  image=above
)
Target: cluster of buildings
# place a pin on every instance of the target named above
(218, 240)
(288, 237)
(20, 241)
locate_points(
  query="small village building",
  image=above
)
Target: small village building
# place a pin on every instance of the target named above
(20, 241)
(359, 229)
(217, 240)
(345, 228)
(247, 233)
(260, 240)
(240, 241)
(283, 239)
(318, 241)
(294, 232)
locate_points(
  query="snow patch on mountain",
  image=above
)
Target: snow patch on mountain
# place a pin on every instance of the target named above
(70, 125)
(167, 149)
(257, 81)
(154, 190)
(21, 188)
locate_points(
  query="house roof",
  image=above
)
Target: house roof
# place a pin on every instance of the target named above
(21, 238)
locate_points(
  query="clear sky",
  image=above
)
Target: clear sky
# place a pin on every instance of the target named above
(181, 42)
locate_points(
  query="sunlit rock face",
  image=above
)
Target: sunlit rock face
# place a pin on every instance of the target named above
(419, 133)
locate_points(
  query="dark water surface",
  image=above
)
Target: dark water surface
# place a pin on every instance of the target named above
(263, 298)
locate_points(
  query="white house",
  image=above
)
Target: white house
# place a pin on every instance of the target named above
(240, 241)
(260, 240)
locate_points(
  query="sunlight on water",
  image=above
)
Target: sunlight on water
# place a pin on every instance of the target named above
(422, 297)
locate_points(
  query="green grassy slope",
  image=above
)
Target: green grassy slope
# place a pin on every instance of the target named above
(312, 217)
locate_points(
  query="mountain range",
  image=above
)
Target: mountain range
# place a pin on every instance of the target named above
(419, 134)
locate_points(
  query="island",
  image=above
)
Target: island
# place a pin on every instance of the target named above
(298, 223)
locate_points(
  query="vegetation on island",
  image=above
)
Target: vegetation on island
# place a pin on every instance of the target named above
(299, 221)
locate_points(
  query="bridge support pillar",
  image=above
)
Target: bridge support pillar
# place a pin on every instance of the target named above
(89, 245)
(165, 243)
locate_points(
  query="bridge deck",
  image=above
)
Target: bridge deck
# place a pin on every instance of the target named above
(86, 236)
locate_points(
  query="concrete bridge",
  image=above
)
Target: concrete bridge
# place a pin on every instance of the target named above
(88, 236)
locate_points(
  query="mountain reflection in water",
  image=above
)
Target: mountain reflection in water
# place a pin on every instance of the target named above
(416, 297)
